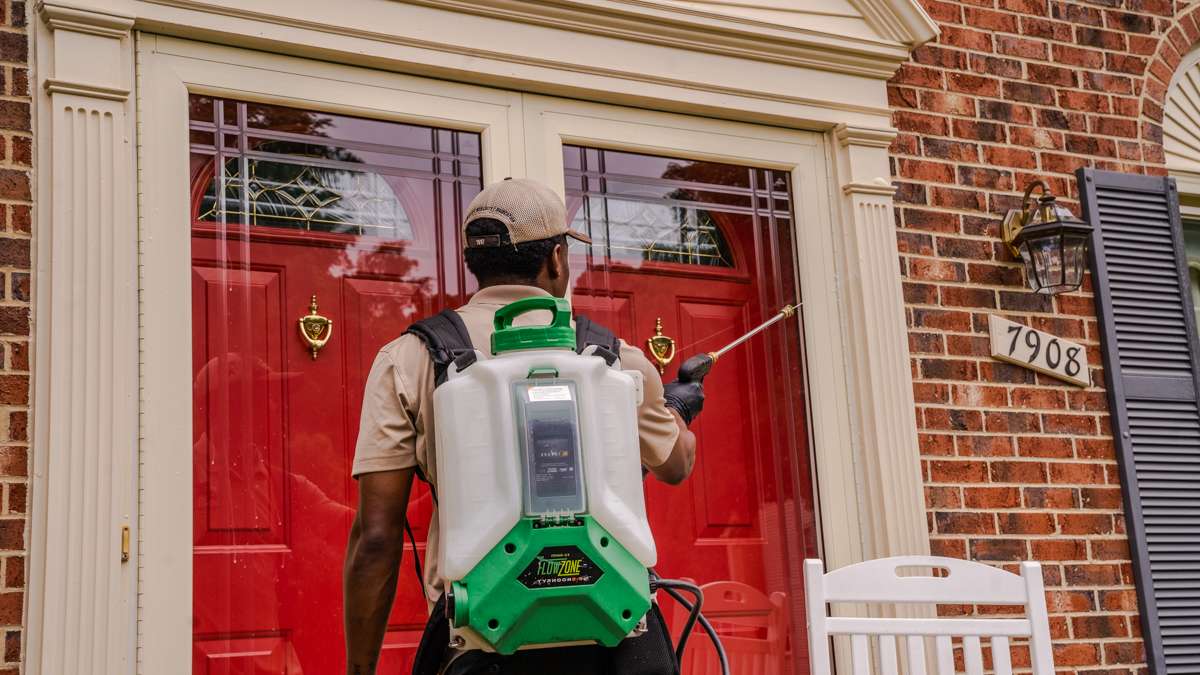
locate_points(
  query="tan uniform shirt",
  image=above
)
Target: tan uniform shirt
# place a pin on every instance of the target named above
(396, 430)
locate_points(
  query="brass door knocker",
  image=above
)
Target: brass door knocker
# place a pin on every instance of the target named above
(662, 348)
(315, 329)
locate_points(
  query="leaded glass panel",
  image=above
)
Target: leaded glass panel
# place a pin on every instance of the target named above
(288, 168)
(660, 209)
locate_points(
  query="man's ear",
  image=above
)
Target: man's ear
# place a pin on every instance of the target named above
(558, 261)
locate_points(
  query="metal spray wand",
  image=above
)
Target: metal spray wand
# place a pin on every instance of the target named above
(696, 368)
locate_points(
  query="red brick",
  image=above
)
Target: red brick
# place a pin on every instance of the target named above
(990, 132)
(948, 419)
(1010, 156)
(971, 249)
(933, 269)
(1119, 601)
(936, 444)
(992, 497)
(1085, 523)
(1018, 472)
(1000, 22)
(1050, 498)
(14, 572)
(1036, 7)
(1020, 47)
(1072, 424)
(1075, 654)
(1058, 549)
(1103, 626)
(1059, 31)
(995, 65)
(958, 471)
(1079, 474)
(1026, 523)
(978, 395)
(964, 296)
(977, 85)
(1124, 652)
(966, 38)
(1029, 93)
(999, 549)
(947, 103)
(953, 522)
(1101, 498)
(968, 345)
(1044, 446)
(1007, 421)
(958, 151)
(984, 446)
(942, 497)
(1003, 111)
(1104, 39)
(919, 76)
(908, 121)
(1048, 74)
(918, 169)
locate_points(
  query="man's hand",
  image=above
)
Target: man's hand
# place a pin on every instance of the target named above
(373, 564)
(685, 398)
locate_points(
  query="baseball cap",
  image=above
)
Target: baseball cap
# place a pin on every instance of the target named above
(529, 209)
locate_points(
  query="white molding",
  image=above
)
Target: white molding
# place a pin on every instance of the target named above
(644, 53)
(892, 505)
(81, 594)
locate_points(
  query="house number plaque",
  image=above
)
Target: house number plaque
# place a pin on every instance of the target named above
(1038, 350)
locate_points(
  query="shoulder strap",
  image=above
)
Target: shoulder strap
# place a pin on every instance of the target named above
(588, 332)
(447, 340)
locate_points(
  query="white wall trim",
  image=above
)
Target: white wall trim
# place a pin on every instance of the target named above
(81, 594)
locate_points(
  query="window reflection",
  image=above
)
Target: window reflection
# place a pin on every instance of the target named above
(667, 210)
(289, 168)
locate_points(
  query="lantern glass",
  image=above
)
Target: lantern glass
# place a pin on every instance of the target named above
(1055, 259)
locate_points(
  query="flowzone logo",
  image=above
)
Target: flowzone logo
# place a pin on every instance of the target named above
(557, 566)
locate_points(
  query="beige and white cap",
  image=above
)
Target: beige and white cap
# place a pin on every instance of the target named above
(529, 209)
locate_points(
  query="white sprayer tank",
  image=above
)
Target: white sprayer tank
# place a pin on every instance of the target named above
(480, 468)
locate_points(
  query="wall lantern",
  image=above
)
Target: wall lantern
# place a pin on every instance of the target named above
(1049, 240)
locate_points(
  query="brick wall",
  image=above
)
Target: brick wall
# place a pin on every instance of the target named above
(16, 158)
(1018, 466)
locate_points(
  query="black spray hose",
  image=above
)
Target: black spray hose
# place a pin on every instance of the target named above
(669, 586)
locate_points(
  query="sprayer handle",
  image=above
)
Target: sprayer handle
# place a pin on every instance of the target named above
(696, 368)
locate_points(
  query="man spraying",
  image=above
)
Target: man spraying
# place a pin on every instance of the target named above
(515, 243)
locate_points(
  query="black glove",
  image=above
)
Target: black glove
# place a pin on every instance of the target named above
(686, 398)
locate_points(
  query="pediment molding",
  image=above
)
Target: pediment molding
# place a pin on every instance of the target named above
(804, 33)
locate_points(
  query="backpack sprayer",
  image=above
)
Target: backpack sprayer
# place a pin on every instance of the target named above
(545, 536)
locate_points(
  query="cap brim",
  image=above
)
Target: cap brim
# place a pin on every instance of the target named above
(579, 236)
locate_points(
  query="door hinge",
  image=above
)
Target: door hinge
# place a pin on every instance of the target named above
(124, 543)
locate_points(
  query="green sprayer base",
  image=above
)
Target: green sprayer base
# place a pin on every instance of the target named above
(550, 584)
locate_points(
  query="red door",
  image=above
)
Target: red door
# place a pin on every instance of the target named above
(703, 250)
(351, 213)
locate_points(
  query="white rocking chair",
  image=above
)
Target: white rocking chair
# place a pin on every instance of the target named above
(879, 581)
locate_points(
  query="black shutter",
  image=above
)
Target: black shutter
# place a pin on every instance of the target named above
(1144, 303)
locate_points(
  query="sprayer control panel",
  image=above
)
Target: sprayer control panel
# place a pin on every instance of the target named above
(548, 432)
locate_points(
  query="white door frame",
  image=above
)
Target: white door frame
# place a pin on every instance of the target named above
(863, 421)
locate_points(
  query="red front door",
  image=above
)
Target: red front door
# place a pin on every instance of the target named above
(295, 208)
(291, 205)
(702, 251)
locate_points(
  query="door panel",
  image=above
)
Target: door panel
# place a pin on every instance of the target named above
(298, 212)
(703, 249)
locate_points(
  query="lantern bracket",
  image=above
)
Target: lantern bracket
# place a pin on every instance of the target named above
(1016, 219)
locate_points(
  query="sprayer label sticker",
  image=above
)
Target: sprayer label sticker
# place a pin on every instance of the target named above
(554, 393)
(558, 566)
